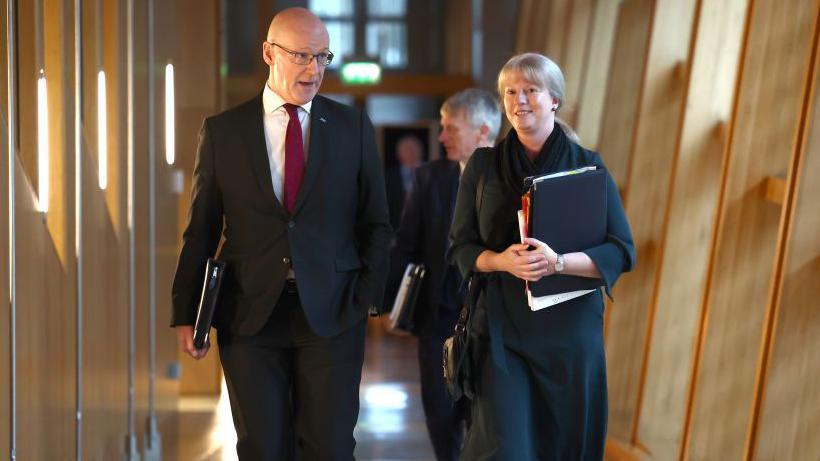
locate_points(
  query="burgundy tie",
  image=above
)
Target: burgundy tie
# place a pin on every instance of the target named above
(294, 157)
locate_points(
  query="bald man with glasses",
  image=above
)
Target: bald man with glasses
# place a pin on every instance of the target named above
(293, 183)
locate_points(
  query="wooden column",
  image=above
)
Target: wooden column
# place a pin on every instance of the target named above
(576, 50)
(596, 72)
(789, 412)
(680, 282)
(763, 141)
(620, 108)
(197, 96)
(657, 134)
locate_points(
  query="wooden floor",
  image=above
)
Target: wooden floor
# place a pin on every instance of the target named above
(391, 421)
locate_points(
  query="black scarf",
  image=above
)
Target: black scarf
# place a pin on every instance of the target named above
(514, 164)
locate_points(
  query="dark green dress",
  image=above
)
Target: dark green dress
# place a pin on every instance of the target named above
(541, 376)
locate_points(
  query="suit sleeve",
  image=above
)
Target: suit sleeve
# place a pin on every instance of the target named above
(617, 254)
(465, 240)
(409, 243)
(373, 232)
(202, 233)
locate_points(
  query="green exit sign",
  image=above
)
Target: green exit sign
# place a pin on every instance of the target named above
(361, 73)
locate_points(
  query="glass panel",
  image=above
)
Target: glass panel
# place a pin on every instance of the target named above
(342, 40)
(388, 41)
(331, 8)
(386, 7)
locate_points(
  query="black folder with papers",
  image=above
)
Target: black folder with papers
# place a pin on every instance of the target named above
(401, 317)
(214, 272)
(567, 211)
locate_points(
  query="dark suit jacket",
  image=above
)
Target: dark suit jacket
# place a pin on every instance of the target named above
(336, 240)
(422, 237)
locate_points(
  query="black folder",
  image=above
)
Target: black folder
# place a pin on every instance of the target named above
(568, 213)
(214, 272)
(404, 307)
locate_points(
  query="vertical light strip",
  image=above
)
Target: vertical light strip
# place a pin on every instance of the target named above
(11, 74)
(42, 143)
(102, 131)
(170, 135)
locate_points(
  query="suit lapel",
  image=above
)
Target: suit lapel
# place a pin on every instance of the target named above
(453, 178)
(255, 137)
(316, 152)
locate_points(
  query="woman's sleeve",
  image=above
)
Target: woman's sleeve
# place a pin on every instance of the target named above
(465, 241)
(617, 254)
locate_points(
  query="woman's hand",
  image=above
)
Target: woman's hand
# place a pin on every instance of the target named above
(529, 265)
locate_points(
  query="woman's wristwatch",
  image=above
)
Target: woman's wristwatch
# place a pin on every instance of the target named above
(559, 264)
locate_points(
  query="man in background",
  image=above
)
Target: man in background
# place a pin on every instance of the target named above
(409, 151)
(469, 119)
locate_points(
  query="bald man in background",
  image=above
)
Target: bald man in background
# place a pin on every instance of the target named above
(293, 182)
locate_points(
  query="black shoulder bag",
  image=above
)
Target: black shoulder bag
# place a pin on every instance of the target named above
(458, 367)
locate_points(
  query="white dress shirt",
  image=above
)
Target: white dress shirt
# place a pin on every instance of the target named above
(276, 126)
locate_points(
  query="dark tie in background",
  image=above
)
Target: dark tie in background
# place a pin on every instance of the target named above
(294, 157)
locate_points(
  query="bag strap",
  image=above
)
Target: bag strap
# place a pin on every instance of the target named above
(472, 279)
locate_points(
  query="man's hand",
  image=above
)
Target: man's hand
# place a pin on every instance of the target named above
(185, 338)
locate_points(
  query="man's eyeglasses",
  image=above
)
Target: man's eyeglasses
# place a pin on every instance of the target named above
(303, 59)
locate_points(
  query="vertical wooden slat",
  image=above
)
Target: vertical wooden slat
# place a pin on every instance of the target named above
(557, 23)
(575, 54)
(785, 417)
(624, 86)
(194, 102)
(45, 309)
(689, 223)
(765, 133)
(596, 72)
(656, 139)
(105, 309)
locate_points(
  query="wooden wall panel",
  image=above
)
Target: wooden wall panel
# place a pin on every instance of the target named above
(45, 348)
(596, 73)
(687, 231)
(620, 107)
(790, 414)
(557, 25)
(763, 140)
(656, 140)
(576, 50)
(197, 99)
(105, 319)
(531, 35)
(46, 361)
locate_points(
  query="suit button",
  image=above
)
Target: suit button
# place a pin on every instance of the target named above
(291, 224)
(286, 260)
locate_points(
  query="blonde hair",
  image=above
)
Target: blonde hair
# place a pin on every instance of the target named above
(537, 69)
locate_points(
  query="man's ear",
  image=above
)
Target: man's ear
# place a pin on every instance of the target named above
(267, 53)
(484, 133)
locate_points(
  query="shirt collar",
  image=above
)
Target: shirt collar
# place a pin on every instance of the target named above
(272, 101)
